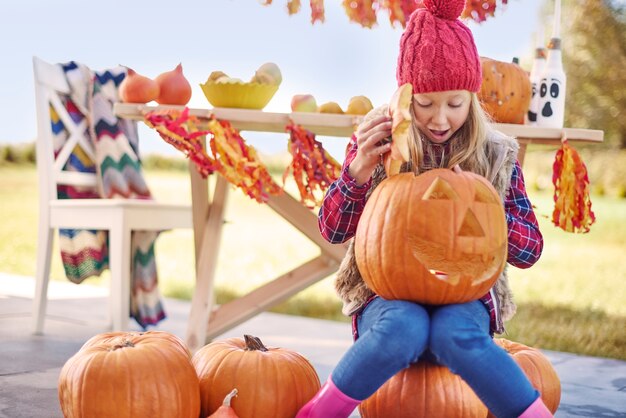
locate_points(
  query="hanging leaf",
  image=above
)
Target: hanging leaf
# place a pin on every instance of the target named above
(480, 10)
(293, 6)
(317, 11)
(400, 10)
(239, 162)
(361, 11)
(180, 130)
(313, 168)
(572, 204)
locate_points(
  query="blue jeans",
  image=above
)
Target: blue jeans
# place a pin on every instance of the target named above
(393, 334)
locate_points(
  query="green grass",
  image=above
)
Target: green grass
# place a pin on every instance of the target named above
(571, 300)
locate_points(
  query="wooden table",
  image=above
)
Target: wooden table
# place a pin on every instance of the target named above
(206, 320)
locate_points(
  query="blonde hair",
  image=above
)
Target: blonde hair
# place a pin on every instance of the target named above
(467, 147)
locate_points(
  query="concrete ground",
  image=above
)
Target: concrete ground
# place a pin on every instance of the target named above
(30, 365)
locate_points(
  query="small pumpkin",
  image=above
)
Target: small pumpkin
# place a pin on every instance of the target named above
(436, 238)
(424, 390)
(275, 382)
(505, 91)
(538, 369)
(130, 374)
(226, 411)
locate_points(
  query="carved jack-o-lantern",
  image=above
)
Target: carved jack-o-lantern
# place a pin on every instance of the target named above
(436, 238)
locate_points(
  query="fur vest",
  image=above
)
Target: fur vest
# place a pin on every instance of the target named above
(502, 153)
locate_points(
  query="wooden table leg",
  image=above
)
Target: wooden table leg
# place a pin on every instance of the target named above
(521, 154)
(203, 297)
(199, 209)
(283, 287)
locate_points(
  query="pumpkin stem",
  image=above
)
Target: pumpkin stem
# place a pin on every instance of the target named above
(228, 397)
(121, 343)
(254, 343)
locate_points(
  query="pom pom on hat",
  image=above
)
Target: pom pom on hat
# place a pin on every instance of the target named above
(445, 9)
(437, 51)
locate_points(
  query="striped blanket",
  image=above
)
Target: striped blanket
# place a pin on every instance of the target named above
(114, 158)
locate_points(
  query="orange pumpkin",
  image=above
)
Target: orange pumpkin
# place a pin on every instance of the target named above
(423, 390)
(505, 92)
(538, 369)
(436, 238)
(130, 374)
(275, 382)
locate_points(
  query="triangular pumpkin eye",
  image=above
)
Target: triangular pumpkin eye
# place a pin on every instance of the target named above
(483, 194)
(470, 226)
(440, 190)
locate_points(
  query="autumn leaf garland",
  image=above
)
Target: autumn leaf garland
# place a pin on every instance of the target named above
(312, 166)
(231, 156)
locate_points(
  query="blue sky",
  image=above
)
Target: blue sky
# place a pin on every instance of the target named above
(333, 61)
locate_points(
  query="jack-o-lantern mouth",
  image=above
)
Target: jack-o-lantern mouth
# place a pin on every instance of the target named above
(436, 258)
(453, 279)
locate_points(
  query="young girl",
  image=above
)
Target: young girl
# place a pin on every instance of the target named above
(449, 129)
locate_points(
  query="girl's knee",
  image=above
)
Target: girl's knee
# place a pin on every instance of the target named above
(452, 334)
(405, 330)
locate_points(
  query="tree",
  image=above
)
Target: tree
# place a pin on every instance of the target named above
(594, 57)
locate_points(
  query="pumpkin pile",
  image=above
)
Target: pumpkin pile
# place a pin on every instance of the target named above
(152, 374)
(168, 88)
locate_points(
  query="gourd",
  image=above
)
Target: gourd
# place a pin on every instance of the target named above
(136, 88)
(130, 374)
(275, 382)
(505, 91)
(424, 390)
(437, 238)
(174, 89)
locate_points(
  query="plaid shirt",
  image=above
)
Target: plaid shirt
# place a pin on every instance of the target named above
(344, 203)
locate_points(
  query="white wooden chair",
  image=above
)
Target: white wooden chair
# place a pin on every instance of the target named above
(118, 216)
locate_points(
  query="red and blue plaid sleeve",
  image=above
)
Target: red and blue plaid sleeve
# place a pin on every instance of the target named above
(343, 204)
(525, 239)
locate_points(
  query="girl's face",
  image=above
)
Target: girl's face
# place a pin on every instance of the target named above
(440, 114)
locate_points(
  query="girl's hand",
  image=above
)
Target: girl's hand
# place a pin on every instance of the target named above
(372, 142)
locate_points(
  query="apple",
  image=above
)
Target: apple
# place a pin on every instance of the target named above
(303, 103)
(359, 105)
(268, 73)
(330, 107)
(216, 75)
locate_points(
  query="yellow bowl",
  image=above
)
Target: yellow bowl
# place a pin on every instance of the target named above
(238, 94)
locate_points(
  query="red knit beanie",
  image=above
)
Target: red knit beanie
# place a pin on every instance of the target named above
(437, 51)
